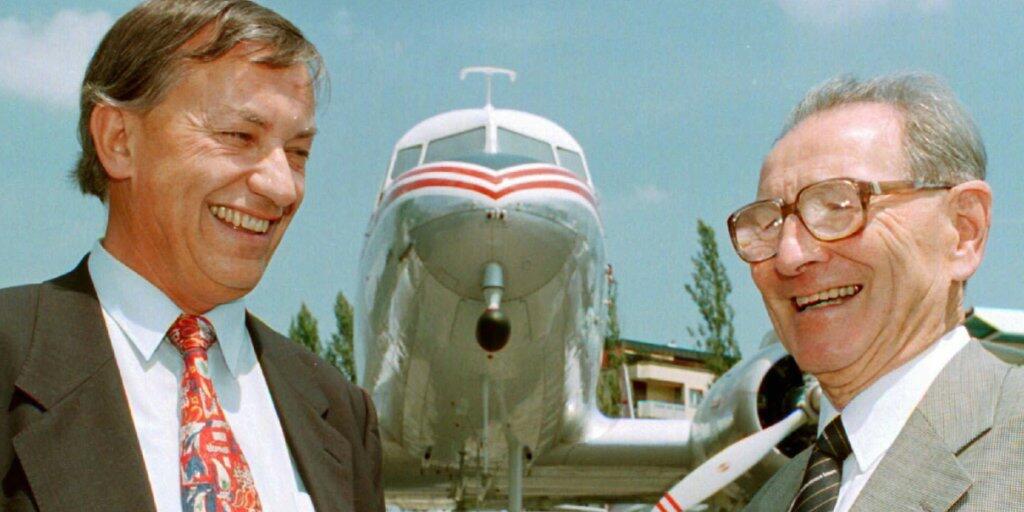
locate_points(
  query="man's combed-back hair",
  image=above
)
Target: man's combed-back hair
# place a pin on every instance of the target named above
(940, 140)
(143, 54)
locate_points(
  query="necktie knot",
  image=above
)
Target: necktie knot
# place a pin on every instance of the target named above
(191, 332)
(833, 441)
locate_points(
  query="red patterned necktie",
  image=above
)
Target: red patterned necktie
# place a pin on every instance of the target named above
(214, 474)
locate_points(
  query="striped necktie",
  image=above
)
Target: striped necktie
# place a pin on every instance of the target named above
(214, 474)
(820, 488)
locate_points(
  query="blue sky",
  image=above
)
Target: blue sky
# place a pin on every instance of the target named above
(674, 102)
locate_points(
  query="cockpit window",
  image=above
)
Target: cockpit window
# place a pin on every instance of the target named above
(573, 161)
(406, 159)
(512, 143)
(454, 146)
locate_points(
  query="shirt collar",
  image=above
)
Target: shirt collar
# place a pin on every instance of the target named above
(875, 417)
(145, 314)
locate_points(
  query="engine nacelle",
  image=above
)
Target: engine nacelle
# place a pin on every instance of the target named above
(753, 395)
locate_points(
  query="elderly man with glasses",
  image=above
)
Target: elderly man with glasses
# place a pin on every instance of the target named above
(872, 214)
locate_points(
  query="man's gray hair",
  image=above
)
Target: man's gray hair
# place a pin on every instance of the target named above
(940, 141)
(143, 54)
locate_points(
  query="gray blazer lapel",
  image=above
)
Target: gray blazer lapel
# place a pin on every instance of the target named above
(777, 494)
(322, 454)
(920, 471)
(81, 451)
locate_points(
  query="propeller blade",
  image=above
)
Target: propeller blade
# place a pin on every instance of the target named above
(727, 465)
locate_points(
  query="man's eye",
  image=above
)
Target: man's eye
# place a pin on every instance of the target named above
(237, 136)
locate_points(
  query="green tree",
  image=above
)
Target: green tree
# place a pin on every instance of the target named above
(609, 385)
(339, 351)
(304, 331)
(710, 291)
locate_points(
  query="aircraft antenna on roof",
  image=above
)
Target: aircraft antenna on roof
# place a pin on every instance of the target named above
(488, 72)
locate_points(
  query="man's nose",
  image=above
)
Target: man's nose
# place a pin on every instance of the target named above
(275, 179)
(797, 247)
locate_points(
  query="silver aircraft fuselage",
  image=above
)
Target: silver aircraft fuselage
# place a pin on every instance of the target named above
(467, 192)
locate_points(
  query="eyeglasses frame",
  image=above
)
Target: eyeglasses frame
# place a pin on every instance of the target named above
(865, 189)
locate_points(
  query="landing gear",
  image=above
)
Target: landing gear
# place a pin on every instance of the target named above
(515, 474)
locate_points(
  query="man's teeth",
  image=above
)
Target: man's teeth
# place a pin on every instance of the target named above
(240, 220)
(828, 296)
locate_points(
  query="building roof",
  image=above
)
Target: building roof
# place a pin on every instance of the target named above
(647, 347)
(997, 324)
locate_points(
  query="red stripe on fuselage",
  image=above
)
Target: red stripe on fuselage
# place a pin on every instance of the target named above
(401, 190)
(405, 185)
(494, 178)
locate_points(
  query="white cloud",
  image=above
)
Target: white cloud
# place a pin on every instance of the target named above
(343, 25)
(835, 12)
(46, 61)
(645, 195)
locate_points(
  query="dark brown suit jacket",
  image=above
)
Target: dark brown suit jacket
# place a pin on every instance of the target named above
(67, 441)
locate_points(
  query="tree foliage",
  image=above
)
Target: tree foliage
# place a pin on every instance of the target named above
(304, 331)
(609, 385)
(338, 351)
(710, 291)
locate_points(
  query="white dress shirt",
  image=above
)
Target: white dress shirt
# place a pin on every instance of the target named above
(874, 418)
(137, 315)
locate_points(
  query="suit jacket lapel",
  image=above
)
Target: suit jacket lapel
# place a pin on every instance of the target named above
(322, 454)
(779, 496)
(921, 469)
(82, 452)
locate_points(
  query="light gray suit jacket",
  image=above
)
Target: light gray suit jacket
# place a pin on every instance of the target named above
(961, 450)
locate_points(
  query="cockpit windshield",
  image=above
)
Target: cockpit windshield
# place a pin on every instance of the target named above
(512, 143)
(406, 159)
(512, 148)
(573, 161)
(452, 147)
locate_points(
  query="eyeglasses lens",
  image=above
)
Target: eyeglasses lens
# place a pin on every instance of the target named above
(830, 210)
(757, 228)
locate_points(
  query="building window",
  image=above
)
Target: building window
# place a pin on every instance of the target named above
(639, 390)
(681, 394)
(695, 397)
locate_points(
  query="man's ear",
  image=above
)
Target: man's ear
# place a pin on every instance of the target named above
(970, 206)
(109, 128)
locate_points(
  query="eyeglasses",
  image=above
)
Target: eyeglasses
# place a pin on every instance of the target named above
(830, 210)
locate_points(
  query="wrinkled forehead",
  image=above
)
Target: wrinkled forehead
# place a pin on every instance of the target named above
(860, 141)
(240, 73)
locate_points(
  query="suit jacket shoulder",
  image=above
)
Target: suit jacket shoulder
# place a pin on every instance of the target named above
(17, 317)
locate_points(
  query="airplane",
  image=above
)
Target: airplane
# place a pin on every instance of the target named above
(480, 323)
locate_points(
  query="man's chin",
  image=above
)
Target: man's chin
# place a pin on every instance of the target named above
(816, 356)
(233, 282)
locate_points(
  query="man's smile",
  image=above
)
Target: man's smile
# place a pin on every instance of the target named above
(826, 297)
(240, 220)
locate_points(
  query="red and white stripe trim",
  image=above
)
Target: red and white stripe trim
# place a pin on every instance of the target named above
(483, 181)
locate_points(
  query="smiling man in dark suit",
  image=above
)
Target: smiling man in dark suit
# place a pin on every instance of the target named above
(872, 215)
(138, 381)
